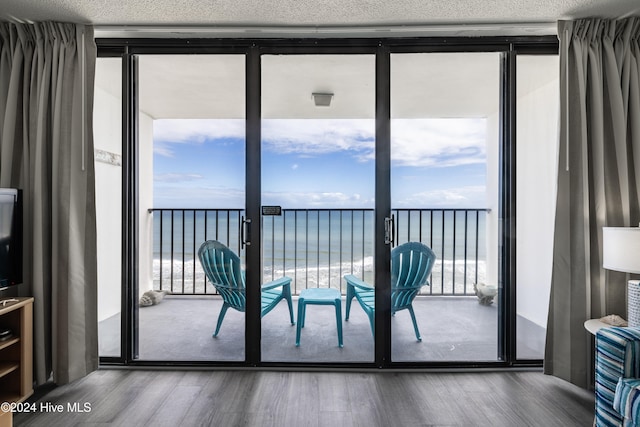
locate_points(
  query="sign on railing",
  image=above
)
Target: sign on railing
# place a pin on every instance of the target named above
(271, 210)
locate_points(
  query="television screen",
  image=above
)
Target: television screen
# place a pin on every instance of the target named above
(10, 237)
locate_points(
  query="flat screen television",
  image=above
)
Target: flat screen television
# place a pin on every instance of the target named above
(10, 237)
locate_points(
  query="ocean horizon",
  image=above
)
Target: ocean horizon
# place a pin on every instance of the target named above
(317, 247)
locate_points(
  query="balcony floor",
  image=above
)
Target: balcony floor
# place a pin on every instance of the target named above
(452, 328)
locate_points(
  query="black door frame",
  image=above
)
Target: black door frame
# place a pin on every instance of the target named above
(510, 47)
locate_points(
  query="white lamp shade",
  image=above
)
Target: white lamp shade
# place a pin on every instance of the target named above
(621, 249)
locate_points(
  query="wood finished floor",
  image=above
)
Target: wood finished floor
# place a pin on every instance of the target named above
(262, 398)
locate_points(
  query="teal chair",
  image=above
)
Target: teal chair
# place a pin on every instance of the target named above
(411, 265)
(223, 269)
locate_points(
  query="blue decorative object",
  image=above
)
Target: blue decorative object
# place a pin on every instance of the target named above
(223, 269)
(411, 265)
(617, 372)
(319, 296)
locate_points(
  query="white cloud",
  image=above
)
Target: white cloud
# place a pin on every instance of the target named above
(197, 130)
(415, 142)
(315, 137)
(435, 142)
(189, 196)
(463, 197)
(295, 166)
(438, 142)
(167, 132)
(318, 200)
(162, 149)
(177, 177)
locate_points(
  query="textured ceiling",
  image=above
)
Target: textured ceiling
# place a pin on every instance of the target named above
(189, 87)
(304, 13)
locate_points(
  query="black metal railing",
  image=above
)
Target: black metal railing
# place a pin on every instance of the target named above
(316, 247)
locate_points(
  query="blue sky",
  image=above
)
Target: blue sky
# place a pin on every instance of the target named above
(320, 163)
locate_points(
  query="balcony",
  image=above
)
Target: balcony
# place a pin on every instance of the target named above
(453, 328)
(316, 247)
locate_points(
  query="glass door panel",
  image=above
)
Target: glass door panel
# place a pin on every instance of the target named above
(107, 123)
(538, 90)
(191, 123)
(445, 112)
(318, 169)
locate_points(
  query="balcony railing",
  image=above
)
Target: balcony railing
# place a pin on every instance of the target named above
(316, 247)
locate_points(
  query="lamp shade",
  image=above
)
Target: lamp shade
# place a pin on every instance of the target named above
(621, 249)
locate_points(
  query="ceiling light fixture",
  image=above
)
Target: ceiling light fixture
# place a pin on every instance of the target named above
(322, 99)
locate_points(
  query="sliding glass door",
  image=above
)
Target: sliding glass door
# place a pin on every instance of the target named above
(191, 139)
(313, 165)
(538, 91)
(445, 120)
(318, 169)
(107, 112)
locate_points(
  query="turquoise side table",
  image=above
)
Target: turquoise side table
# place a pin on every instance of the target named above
(319, 296)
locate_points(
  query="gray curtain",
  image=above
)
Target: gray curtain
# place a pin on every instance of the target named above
(46, 149)
(599, 167)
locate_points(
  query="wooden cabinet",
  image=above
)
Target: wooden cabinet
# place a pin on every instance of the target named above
(16, 353)
(6, 418)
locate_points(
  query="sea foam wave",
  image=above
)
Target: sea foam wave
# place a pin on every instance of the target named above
(447, 277)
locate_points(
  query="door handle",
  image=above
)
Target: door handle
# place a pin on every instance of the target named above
(245, 232)
(389, 230)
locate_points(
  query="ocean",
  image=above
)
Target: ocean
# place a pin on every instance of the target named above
(316, 247)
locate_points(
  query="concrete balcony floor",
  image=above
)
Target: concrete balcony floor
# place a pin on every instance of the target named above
(453, 329)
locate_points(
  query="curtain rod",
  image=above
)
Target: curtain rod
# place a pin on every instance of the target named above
(497, 29)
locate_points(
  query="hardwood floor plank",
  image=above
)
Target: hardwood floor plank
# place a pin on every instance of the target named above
(268, 395)
(333, 394)
(106, 392)
(195, 378)
(146, 403)
(309, 399)
(335, 418)
(367, 407)
(204, 406)
(401, 402)
(115, 400)
(236, 392)
(301, 400)
(561, 400)
(492, 398)
(173, 409)
(439, 403)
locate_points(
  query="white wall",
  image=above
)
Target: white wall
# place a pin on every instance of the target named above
(108, 146)
(108, 164)
(493, 198)
(537, 154)
(145, 200)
